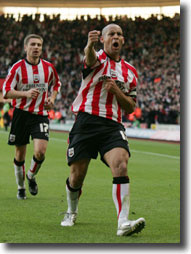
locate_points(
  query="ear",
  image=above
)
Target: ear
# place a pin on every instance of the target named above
(101, 39)
(123, 41)
(25, 48)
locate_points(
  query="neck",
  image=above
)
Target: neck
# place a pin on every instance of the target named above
(33, 60)
(114, 56)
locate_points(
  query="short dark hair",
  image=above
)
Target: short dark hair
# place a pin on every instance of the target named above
(29, 36)
(104, 30)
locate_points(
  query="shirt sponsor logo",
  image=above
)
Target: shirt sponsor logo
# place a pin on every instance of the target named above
(104, 77)
(124, 87)
(42, 87)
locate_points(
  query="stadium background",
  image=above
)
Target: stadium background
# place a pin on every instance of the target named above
(152, 46)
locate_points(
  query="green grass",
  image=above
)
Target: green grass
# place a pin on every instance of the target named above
(154, 171)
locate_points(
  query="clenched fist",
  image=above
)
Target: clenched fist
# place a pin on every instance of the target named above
(111, 86)
(93, 37)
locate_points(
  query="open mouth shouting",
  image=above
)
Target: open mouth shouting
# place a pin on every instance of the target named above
(115, 44)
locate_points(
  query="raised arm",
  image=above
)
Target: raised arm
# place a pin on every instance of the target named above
(90, 53)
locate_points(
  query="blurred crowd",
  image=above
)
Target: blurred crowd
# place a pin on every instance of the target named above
(152, 46)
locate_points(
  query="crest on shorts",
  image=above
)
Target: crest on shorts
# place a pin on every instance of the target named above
(71, 152)
(12, 138)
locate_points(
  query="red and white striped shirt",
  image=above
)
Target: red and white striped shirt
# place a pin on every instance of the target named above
(93, 98)
(23, 76)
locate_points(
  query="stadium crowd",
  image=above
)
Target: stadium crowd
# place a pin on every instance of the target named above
(152, 47)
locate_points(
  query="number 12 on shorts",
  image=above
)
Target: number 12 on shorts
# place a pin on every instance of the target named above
(43, 127)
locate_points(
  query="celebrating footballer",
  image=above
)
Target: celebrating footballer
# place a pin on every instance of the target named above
(108, 88)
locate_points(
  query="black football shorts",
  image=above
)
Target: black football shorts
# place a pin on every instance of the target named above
(91, 135)
(24, 124)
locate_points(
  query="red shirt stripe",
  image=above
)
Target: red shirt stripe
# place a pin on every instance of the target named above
(32, 105)
(133, 83)
(96, 96)
(11, 76)
(124, 70)
(14, 103)
(119, 113)
(109, 101)
(130, 67)
(24, 81)
(46, 72)
(23, 102)
(102, 56)
(41, 106)
(24, 73)
(86, 89)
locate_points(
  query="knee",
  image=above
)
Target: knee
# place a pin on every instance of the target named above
(19, 157)
(119, 167)
(75, 180)
(20, 153)
(39, 155)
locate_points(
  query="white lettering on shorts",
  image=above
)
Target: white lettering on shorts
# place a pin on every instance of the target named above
(124, 137)
(44, 127)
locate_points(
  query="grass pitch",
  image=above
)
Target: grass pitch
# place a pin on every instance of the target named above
(154, 171)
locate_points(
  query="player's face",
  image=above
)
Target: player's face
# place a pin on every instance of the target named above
(113, 40)
(33, 48)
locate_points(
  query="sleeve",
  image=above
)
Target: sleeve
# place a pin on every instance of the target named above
(133, 86)
(10, 81)
(56, 84)
(131, 79)
(101, 57)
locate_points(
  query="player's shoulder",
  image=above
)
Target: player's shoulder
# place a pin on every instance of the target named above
(46, 62)
(130, 67)
(101, 54)
(16, 65)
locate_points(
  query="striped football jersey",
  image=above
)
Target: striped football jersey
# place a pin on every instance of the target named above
(24, 76)
(93, 98)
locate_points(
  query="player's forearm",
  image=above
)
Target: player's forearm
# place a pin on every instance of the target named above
(53, 96)
(90, 55)
(126, 102)
(49, 103)
(13, 94)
